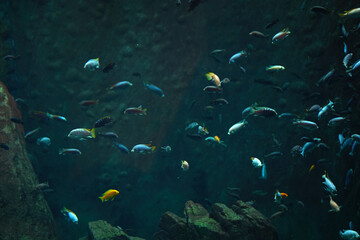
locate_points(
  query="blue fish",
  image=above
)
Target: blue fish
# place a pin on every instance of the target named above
(154, 89)
(348, 178)
(354, 148)
(346, 146)
(307, 148)
(121, 147)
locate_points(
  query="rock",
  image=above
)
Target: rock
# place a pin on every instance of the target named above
(241, 221)
(102, 230)
(24, 212)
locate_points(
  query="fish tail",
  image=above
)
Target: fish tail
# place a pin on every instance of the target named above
(343, 14)
(153, 148)
(93, 135)
(102, 199)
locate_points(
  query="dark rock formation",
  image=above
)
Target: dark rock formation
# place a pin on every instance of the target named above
(24, 213)
(102, 230)
(241, 221)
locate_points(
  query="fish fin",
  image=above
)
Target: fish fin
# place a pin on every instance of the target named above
(343, 14)
(92, 131)
(153, 148)
(102, 199)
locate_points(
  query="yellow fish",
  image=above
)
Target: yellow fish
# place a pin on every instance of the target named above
(275, 68)
(109, 195)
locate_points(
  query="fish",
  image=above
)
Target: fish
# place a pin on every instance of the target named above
(327, 76)
(44, 141)
(17, 120)
(121, 147)
(87, 103)
(307, 148)
(236, 127)
(329, 185)
(348, 178)
(314, 108)
(288, 116)
(346, 59)
(272, 23)
(349, 234)
(326, 109)
(213, 78)
(109, 195)
(336, 121)
(11, 57)
(143, 148)
(216, 51)
(82, 133)
(354, 148)
(277, 215)
(103, 121)
(275, 68)
(320, 9)
(42, 186)
(238, 55)
(281, 35)
(334, 207)
(352, 12)
(273, 154)
(166, 149)
(263, 112)
(256, 162)
(202, 130)
(263, 172)
(278, 196)
(212, 89)
(48, 116)
(92, 64)
(191, 126)
(184, 165)
(154, 89)
(70, 215)
(306, 124)
(108, 67)
(69, 151)
(311, 168)
(354, 66)
(4, 146)
(120, 85)
(111, 135)
(220, 101)
(258, 34)
(136, 111)
(345, 47)
(32, 132)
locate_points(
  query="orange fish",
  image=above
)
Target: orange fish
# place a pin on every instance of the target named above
(284, 195)
(109, 195)
(312, 167)
(214, 78)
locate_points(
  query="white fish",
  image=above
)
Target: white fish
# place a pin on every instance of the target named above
(237, 126)
(237, 56)
(70, 215)
(329, 185)
(346, 59)
(325, 109)
(256, 162)
(349, 234)
(82, 133)
(191, 125)
(44, 141)
(325, 77)
(92, 64)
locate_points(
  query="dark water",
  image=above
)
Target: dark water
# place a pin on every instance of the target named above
(160, 43)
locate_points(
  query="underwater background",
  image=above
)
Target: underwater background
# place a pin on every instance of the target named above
(163, 43)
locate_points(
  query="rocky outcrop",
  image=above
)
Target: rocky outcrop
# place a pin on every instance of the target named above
(24, 213)
(241, 221)
(102, 230)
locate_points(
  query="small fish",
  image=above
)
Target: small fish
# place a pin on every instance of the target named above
(44, 141)
(108, 67)
(314, 108)
(154, 89)
(334, 207)
(296, 150)
(273, 154)
(109, 195)
(258, 34)
(352, 12)
(328, 107)
(346, 59)
(120, 85)
(136, 111)
(143, 148)
(288, 116)
(311, 168)
(212, 89)
(111, 135)
(82, 133)
(354, 148)
(121, 147)
(30, 133)
(353, 67)
(348, 178)
(69, 151)
(202, 130)
(48, 116)
(336, 121)
(275, 68)
(277, 215)
(306, 124)
(166, 149)
(191, 126)
(17, 120)
(278, 196)
(349, 234)
(216, 51)
(92, 64)
(213, 78)
(11, 57)
(103, 121)
(220, 101)
(70, 215)
(184, 165)
(307, 148)
(42, 186)
(236, 127)
(281, 35)
(272, 23)
(4, 146)
(325, 77)
(87, 103)
(256, 162)
(329, 185)
(320, 9)
(238, 55)
(345, 48)
(263, 112)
